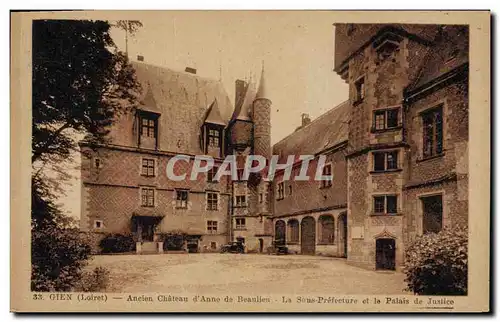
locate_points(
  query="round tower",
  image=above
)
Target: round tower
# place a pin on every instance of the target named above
(262, 120)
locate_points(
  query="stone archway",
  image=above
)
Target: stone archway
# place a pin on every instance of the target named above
(308, 236)
(280, 232)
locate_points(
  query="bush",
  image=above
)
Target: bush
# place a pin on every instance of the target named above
(173, 240)
(436, 264)
(117, 243)
(57, 258)
(95, 281)
(58, 253)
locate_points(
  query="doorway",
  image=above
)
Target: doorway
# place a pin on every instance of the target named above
(386, 254)
(308, 236)
(261, 245)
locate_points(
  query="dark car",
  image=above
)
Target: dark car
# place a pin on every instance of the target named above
(278, 247)
(233, 247)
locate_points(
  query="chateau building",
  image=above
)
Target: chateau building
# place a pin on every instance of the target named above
(397, 149)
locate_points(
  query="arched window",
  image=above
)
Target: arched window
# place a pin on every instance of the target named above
(327, 229)
(293, 231)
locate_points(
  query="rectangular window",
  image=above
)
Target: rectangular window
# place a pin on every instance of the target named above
(432, 121)
(261, 198)
(240, 223)
(241, 201)
(214, 138)
(213, 245)
(290, 190)
(211, 174)
(98, 224)
(212, 198)
(148, 197)
(327, 171)
(212, 227)
(148, 167)
(360, 89)
(148, 126)
(385, 204)
(280, 190)
(385, 119)
(181, 199)
(432, 214)
(386, 160)
(97, 163)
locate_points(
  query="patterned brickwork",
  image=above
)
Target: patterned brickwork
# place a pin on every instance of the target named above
(307, 195)
(455, 125)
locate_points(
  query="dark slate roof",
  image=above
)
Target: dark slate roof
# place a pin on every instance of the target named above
(450, 50)
(183, 100)
(161, 85)
(325, 132)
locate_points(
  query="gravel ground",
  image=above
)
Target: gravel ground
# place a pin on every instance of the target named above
(245, 274)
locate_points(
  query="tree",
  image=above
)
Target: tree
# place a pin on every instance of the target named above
(130, 27)
(80, 84)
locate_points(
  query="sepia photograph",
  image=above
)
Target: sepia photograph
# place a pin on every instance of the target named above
(252, 161)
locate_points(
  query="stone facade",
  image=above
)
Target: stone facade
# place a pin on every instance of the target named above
(397, 149)
(405, 70)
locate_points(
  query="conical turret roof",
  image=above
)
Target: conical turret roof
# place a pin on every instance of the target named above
(262, 91)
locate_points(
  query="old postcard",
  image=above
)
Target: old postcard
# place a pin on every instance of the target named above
(250, 161)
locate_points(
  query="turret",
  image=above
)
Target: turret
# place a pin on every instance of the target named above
(262, 120)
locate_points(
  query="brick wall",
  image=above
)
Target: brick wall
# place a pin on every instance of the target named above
(309, 195)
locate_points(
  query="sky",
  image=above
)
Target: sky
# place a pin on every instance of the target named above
(296, 49)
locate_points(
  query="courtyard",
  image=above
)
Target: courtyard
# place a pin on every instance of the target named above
(245, 274)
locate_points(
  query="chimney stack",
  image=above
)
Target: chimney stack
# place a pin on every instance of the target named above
(239, 92)
(305, 119)
(140, 58)
(190, 70)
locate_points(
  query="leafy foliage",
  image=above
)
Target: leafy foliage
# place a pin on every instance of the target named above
(79, 85)
(117, 243)
(94, 281)
(58, 254)
(173, 240)
(436, 264)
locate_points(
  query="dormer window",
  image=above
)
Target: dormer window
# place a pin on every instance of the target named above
(148, 126)
(148, 129)
(214, 138)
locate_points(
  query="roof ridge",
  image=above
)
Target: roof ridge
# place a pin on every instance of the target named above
(313, 121)
(181, 72)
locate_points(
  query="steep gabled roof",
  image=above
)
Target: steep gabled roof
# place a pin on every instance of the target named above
(327, 131)
(184, 101)
(213, 115)
(450, 50)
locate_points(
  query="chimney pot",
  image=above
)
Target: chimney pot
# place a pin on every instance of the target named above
(140, 58)
(190, 70)
(239, 91)
(305, 119)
